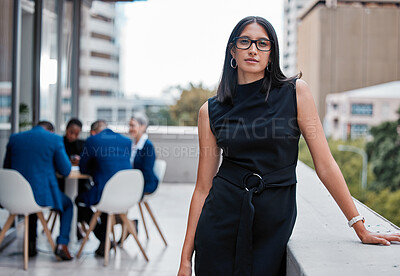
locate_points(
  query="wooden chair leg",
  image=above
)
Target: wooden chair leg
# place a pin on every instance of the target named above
(26, 234)
(155, 222)
(6, 226)
(113, 234)
(124, 234)
(83, 226)
(54, 221)
(92, 224)
(144, 222)
(48, 218)
(132, 230)
(46, 230)
(107, 245)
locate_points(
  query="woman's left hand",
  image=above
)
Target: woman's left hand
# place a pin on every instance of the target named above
(377, 238)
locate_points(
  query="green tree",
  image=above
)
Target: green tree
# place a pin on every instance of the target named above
(185, 111)
(161, 117)
(349, 163)
(24, 122)
(386, 203)
(384, 154)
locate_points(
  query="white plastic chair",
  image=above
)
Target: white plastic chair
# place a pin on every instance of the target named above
(120, 193)
(159, 170)
(17, 197)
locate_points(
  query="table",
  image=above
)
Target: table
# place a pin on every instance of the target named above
(71, 190)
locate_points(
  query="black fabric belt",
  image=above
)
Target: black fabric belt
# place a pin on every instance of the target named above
(254, 184)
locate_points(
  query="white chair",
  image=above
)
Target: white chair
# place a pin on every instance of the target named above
(17, 197)
(120, 193)
(159, 170)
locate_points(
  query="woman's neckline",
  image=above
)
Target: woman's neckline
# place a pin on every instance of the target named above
(251, 83)
(244, 91)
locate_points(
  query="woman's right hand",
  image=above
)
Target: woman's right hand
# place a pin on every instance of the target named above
(185, 269)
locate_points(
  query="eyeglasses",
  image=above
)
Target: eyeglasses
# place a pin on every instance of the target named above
(244, 43)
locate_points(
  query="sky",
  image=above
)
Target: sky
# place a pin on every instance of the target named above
(166, 43)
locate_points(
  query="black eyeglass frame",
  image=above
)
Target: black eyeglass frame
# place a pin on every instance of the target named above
(251, 43)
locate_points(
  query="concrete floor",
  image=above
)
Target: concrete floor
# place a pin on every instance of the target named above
(170, 205)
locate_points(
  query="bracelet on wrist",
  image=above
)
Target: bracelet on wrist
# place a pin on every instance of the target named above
(355, 219)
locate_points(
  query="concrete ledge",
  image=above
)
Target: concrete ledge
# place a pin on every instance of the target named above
(323, 244)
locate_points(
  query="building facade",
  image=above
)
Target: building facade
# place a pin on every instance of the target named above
(351, 114)
(99, 60)
(345, 45)
(289, 56)
(118, 110)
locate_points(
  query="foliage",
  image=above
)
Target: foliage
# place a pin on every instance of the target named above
(384, 155)
(386, 203)
(350, 163)
(24, 122)
(161, 117)
(381, 195)
(185, 111)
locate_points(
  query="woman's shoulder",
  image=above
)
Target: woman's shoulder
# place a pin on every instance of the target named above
(288, 85)
(214, 103)
(148, 144)
(211, 102)
(302, 88)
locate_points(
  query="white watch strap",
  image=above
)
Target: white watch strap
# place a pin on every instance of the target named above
(356, 219)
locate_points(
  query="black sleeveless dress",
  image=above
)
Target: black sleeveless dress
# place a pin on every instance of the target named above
(250, 211)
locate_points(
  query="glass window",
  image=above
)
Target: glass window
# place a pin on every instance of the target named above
(101, 17)
(336, 123)
(102, 36)
(48, 63)
(104, 114)
(66, 56)
(94, 92)
(358, 130)
(385, 109)
(121, 118)
(6, 35)
(103, 74)
(361, 109)
(5, 101)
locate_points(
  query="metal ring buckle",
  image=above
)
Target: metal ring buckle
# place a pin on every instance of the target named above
(256, 174)
(249, 175)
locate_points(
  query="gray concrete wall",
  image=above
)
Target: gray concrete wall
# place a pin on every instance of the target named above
(180, 148)
(323, 244)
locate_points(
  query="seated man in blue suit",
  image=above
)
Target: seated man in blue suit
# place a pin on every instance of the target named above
(104, 154)
(143, 153)
(37, 154)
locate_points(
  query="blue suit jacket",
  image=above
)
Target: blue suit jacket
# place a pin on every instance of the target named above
(144, 161)
(103, 155)
(37, 154)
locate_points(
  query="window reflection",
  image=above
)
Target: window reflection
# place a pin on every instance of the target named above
(6, 21)
(48, 63)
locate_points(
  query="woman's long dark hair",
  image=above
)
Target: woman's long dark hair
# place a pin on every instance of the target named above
(272, 78)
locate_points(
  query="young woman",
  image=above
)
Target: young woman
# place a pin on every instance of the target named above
(242, 212)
